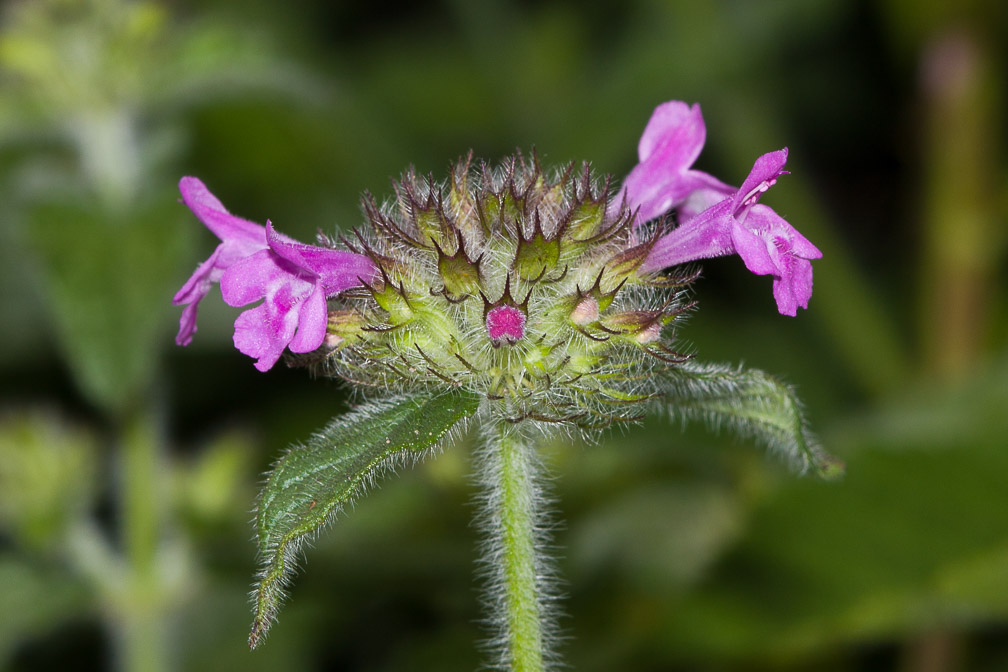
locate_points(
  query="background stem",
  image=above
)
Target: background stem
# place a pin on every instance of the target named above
(140, 628)
(961, 235)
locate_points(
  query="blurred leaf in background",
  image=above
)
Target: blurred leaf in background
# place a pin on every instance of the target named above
(93, 91)
(93, 128)
(682, 552)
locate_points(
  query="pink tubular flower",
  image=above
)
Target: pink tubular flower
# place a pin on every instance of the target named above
(294, 280)
(255, 262)
(663, 180)
(239, 239)
(739, 225)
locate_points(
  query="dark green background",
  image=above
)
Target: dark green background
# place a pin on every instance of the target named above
(678, 550)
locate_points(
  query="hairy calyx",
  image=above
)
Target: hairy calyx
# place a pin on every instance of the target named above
(516, 285)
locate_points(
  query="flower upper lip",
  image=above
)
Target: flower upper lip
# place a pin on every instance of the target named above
(663, 179)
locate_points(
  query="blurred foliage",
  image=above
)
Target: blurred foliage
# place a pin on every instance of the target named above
(681, 550)
(48, 476)
(95, 260)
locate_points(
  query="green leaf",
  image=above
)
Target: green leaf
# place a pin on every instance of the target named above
(751, 403)
(916, 541)
(108, 277)
(313, 482)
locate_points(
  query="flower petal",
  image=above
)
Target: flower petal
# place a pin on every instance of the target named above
(705, 191)
(259, 276)
(187, 323)
(192, 292)
(676, 130)
(263, 333)
(787, 249)
(795, 289)
(778, 231)
(753, 250)
(802, 247)
(336, 269)
(763, 175)
(709, 234)
(312, 321)
(240, 233)
(671, 142)
(200, 282)
(293, 313)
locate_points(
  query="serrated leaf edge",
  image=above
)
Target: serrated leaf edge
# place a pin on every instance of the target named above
(695, 390)
(274, 577)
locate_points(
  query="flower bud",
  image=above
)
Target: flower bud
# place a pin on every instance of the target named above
(641, 326)
(505, 324)
(585, 312)
(342, 327)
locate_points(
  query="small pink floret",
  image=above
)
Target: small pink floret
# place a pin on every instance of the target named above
(505, 322)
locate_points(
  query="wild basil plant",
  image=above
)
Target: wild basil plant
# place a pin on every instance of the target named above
(513, 301)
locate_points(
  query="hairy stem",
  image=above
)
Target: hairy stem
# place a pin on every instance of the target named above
(513, 554)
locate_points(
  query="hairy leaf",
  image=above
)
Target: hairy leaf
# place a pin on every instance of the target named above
(751, 403)
(313, 482)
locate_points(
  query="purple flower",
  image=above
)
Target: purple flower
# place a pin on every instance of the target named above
(663, 180)
(505, 323)
(240, 238)
(294, 280)
(255, 262)
(739, 225)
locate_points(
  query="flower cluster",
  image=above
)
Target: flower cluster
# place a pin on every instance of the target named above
(532, 288)
(511, 283)
(514, 298)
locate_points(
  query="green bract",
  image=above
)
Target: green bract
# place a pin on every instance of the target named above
(514, 285)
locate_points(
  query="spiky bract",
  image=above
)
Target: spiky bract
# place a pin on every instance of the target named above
(583, 330)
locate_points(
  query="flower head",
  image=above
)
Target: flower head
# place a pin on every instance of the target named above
(514, 284)
(766, 242)
(239, 239)
(592, 303)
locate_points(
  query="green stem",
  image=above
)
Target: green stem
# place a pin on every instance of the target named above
(140, 630)
(518, 574)
(962, 233)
